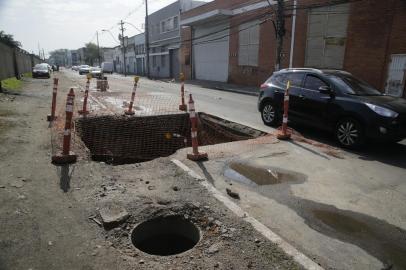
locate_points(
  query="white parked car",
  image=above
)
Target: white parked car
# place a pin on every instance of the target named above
(84, 69)
(96, 72)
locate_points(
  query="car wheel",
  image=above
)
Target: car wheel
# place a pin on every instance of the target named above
(349, 133)
(269, 114)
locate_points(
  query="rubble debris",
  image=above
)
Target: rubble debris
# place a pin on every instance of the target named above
(214, 248)
(17, 183)
(93, 218)
(151, 187)
(113, 214)
(232, 194)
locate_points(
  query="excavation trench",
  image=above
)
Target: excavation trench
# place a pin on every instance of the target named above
(124, 140)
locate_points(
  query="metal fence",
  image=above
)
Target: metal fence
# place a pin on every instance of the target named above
(14, 61)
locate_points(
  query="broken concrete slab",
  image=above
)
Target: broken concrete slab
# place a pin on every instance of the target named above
(113, 214)
(18, 183)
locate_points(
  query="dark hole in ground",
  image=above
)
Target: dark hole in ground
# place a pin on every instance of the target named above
(123, 140)
(253, 175)
(165, 236)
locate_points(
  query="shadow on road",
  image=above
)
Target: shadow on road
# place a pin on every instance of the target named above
(65, 176)
(388, 153)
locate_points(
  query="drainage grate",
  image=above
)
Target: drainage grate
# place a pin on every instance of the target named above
(165, 236)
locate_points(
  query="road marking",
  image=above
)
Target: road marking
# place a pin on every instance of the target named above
(297, 256)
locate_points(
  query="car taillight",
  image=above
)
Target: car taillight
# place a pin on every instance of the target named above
(263, 86)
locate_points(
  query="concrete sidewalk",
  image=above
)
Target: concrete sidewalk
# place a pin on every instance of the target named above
(340, 210)
(240, 89)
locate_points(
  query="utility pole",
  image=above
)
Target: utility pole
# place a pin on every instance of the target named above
(293, 34)
(39, 51)
(43, 54)
(98, 47)
(124, 49)
(280, 32)
(147, 37)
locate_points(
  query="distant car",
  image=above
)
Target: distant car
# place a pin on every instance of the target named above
(75, 68)
(84, 69)
(96, 72)
(107, 67)
(336, 101)
(41, 71)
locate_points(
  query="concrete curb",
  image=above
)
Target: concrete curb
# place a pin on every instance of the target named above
(299, 257)
(255, 94)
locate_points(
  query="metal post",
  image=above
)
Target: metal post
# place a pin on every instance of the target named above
(84, 110)
(182, 106)
(196, 155)
(52, 116)
(67, 157)
(285, 134)
(124, 48)
(293, 33)
(130, 110)
(98, 47)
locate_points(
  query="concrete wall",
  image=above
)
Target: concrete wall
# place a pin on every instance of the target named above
(377, 32)
(15, 62)
(162, 44)
(160, 15)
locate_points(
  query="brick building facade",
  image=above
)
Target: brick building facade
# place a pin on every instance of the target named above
(362, 37)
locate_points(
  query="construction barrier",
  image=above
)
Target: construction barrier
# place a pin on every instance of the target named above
(196, 155)
(67, 156)
(182, 106)
(130, 110)
(52, 117)
(84, 110)
(284, 133)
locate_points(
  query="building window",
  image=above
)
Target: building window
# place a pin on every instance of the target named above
(154, 61)
(163, 60)
(175, 22)
(170, 24)
(163, 26)
(248, 44)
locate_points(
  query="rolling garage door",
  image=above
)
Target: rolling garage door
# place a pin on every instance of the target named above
(327, 36)
(211, 52)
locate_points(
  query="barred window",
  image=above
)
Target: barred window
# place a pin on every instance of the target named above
(248, 44)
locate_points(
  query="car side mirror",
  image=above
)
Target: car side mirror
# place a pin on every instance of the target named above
(325, 90)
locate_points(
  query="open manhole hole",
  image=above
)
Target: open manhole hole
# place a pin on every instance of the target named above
(165, 236)
(124, 140)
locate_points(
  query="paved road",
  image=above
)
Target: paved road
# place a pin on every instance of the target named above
(232, 106)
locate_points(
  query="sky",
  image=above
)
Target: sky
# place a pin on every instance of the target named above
(69, 24)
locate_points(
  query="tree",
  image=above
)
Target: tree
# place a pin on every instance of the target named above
(9, 40)
(59, 57)
(91, 53)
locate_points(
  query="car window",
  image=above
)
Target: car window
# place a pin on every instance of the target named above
(354, 86)
(41, 66)
(281, 80)
(295, 79)
(313, 83)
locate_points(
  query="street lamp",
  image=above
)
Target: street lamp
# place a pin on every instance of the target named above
(133, 26)
(106, 30)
